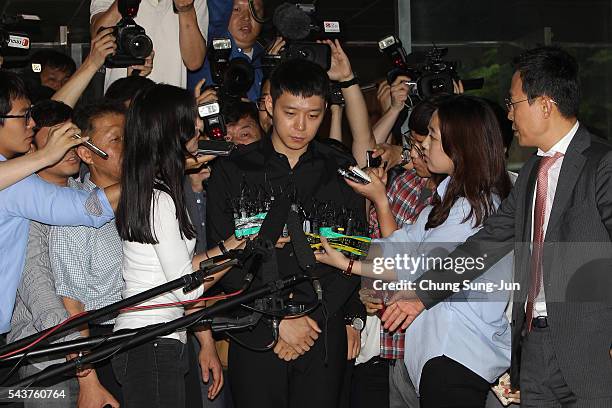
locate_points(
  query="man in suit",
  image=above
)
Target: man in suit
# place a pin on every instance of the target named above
(558, 220)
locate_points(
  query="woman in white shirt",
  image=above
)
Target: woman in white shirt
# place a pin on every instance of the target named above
(162, 130)
(457, 348)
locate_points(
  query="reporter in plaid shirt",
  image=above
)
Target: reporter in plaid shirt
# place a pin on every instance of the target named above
(405, 198)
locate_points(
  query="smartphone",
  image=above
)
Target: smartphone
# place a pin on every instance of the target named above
(215, 147)
(351, 175)
(373, 162)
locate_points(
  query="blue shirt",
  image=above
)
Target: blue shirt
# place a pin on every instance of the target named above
(34, 199)
(219, 13)
(471, 326)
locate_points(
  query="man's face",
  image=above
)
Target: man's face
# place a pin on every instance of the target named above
(53, 77)
(242, 25)
(107, 134)
(416, 154)
(16, 135)
(265, 119)
(68, 166)
(244, 131)
(527, 119)
(296, 119)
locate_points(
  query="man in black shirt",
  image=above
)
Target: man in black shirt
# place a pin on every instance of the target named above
(307, 365)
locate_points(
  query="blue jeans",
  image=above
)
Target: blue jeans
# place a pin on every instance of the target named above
(152, 375)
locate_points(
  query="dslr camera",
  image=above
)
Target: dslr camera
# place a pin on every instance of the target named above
(431, 76)
(133, 43)
(233, 79)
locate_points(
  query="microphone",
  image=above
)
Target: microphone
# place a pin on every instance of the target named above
(197, 278)
(271, 229)
(274, 223)
(303, 253)
(291, 22)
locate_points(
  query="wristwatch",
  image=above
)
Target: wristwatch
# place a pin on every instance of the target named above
(405, 157)
(356, 323)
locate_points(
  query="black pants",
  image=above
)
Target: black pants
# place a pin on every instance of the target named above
(104, 369)
(370, 384)
(261, 379)
(447, 384)
(542, 382)
(153, 375)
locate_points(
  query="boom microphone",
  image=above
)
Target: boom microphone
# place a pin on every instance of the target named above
(291, 22)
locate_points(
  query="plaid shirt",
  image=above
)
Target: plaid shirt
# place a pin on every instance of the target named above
(407, 200)
(86, 261)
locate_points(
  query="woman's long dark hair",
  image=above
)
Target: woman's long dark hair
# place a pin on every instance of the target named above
(472, 138)
(159, 122)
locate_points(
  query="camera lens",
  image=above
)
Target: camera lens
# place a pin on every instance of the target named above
(239, 77)
(140, 46)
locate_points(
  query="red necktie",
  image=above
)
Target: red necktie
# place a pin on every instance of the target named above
(538, 234)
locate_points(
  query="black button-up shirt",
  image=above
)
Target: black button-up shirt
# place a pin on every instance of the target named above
(315, 176)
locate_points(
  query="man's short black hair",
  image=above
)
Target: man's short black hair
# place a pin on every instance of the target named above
(54, 59)
(51, 113)
(233, 112)
(125, 89)
(553, 72)
(299, 78)
(12, 87)
(86, 114)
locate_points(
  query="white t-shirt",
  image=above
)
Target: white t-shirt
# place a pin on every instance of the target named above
(146, 266)
(162, 25)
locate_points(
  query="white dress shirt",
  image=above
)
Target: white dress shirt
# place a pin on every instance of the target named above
(553, 178)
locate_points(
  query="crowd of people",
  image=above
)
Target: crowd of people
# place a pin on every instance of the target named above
(80, 230)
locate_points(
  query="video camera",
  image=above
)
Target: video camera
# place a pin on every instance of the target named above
(14, 45)
(133, 43)
(233, 79)
(300, 26)
(431, 77)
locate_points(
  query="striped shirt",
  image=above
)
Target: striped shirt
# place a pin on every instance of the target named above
(86, 262)
(37, 306)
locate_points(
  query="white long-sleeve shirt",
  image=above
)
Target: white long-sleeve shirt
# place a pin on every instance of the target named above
(146, 266)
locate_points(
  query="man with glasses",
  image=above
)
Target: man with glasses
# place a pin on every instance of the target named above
(558, 221)
(32, 198)
(265, 117)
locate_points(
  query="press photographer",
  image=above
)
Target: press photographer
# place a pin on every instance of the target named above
(176, 28)
(241, 24)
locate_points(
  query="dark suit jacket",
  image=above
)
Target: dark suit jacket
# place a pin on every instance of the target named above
(578, 240)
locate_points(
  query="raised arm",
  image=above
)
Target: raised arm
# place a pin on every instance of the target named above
(356, 109)
(191, 13)
(102, 45)
(398, 94)
(59, 142)
(335, 130)
(104, 13)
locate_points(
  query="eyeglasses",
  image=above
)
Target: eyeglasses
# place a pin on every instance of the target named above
(412, 143)
(261, 103)
(27, 115)
(510, 103)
